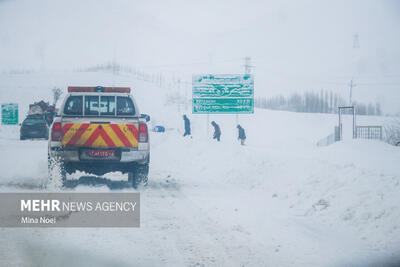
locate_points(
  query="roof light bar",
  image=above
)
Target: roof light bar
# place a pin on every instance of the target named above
(72, 89)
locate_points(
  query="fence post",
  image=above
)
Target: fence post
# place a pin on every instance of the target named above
(354, 123)
(337, 134)
(340, 125)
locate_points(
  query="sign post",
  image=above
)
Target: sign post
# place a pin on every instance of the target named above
(9, 114)
(223, 94)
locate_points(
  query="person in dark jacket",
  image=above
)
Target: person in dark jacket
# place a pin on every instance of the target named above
(187, 125)
(217, 131)
(242, 134)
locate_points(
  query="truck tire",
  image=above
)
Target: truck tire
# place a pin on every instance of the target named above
(138, 175)
(63, 174)
(55, 169)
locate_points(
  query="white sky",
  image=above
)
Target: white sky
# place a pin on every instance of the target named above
(294, 45)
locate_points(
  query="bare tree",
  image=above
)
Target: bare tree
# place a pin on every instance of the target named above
(57, 92)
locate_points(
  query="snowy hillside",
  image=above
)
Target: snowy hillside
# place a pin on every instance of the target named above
(278, 201)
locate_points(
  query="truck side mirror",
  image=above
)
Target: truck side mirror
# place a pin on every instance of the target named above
(145, 116)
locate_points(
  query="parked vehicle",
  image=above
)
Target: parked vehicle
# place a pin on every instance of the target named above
(44, 109)
(159, 129)
(34, 127)
(100, 130)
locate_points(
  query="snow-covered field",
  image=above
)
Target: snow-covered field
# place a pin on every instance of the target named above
(278, 201)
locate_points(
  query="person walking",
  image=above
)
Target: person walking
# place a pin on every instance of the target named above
(187, 125)
(241, 134)
(217, 131)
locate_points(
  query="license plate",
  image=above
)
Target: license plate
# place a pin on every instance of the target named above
(101, 153)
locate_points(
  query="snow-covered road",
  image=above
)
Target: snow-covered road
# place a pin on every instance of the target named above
(278, 201)
(222, 204)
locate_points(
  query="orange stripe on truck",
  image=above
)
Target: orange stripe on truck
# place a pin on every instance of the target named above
(99, 135)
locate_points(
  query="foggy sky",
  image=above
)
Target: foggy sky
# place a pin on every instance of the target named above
(294, 45)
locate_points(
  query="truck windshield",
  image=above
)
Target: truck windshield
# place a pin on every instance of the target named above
(125, 106)
(96, 105)
(107, 105)
(74, 106)
(92, 105)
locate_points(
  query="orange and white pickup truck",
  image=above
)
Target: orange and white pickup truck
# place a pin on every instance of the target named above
(100, 130)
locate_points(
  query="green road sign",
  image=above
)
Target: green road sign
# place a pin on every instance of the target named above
(223, 85)
(223, 105)
(9, 114)
(223, 93)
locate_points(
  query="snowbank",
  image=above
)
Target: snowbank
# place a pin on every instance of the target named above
(278, 200)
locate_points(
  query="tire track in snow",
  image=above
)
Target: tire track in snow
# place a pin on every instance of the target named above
(200, 240)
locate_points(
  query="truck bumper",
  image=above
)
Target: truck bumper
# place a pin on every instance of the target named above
(72, 155)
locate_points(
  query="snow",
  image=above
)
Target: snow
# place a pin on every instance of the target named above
(279, 200)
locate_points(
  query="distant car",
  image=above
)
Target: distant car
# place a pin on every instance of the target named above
(34, 127)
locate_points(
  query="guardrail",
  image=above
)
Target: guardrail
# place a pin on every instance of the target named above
(330, 139)
(369, 132)
(362, 132)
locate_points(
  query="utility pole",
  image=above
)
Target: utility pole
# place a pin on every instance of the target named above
(247, 70)
(351, 85)
(247, 65)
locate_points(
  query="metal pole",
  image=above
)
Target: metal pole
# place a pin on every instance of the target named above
(354, 123)
(237, 119)
(207, 126)
(351, 85)
(340, 125)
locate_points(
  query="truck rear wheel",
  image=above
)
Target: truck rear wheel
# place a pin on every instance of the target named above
(56, 169)
(138, 175)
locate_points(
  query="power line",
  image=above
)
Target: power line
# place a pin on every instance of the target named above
(367, 84)
(364, 84)
(188, 63)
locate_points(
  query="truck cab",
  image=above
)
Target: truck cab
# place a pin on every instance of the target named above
(100, 130)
